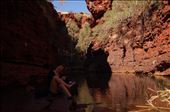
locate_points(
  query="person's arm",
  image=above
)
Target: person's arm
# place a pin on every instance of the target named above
(59, 80)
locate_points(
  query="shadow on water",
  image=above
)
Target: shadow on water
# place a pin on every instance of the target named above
(97, 74)
(97, 69)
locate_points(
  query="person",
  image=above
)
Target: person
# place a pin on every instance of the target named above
(58, 82)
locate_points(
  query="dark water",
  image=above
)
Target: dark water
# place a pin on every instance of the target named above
(126, 92)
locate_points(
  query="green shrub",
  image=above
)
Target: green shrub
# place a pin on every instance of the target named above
(72, 29)
(84, 37)
(121, 10)
(78, 16)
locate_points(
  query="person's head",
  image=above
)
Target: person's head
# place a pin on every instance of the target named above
(59, 69)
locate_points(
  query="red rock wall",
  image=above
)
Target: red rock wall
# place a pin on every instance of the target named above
(31, 40)
(84, 18)
(98, 7)
(142, 48)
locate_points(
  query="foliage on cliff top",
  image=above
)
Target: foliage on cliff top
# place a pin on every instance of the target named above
(121, 10)
(80, 35)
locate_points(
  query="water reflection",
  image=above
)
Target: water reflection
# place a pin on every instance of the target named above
(84, 96)
(124, 93)
(126, 90)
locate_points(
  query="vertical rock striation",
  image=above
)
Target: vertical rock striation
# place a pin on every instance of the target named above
(32, 39)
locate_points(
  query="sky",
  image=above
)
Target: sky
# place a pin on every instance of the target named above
(70, 6)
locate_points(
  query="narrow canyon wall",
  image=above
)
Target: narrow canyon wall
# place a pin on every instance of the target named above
(32, 40)
(142, 44)
(34, 37)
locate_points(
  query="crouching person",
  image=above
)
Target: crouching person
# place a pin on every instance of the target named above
(58, 83)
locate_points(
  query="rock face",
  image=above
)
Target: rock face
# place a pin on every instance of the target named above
(31, 40)
(142, 44)
(98, 7)
(79, 18)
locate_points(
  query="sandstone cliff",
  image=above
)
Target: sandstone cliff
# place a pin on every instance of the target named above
(142, 43)
(98, 7)
(34, 37)
(32, 40)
